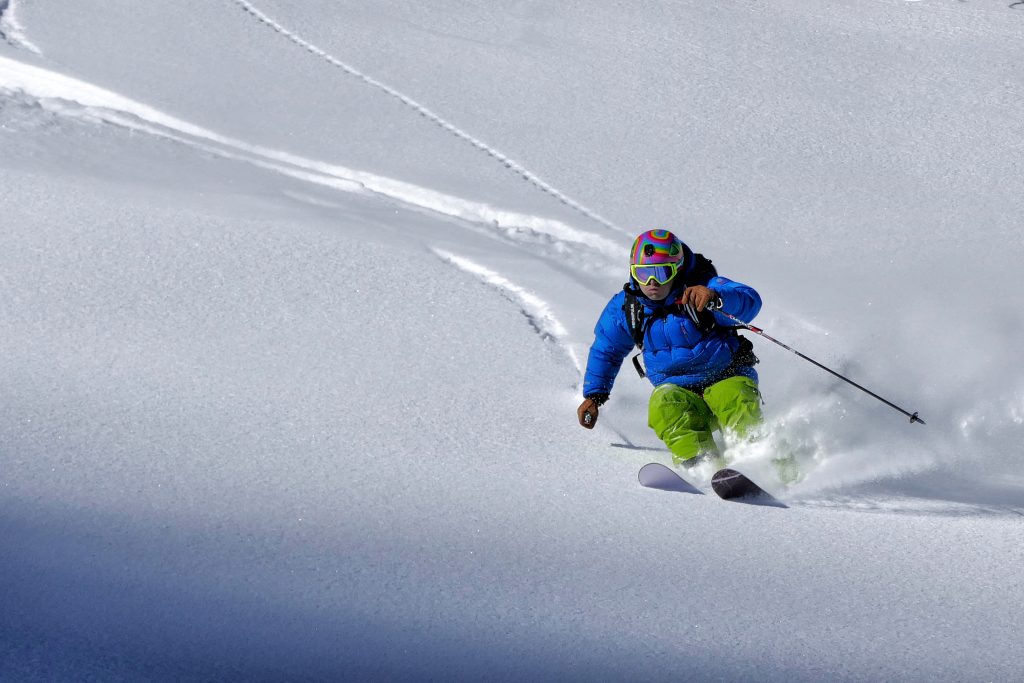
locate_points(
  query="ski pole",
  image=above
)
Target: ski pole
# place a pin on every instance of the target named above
(757, 330)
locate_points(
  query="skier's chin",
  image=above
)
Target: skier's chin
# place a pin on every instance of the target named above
(655, 292)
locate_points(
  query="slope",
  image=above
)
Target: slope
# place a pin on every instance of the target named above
(284, 403)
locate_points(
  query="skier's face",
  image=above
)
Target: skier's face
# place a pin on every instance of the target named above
(656, 292)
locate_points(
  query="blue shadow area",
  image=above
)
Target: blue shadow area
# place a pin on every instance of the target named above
(98, 596)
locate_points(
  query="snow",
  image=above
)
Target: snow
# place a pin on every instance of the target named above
(298, 296)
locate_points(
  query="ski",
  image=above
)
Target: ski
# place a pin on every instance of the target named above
(732, 485)
(654, 475)
(727, 483)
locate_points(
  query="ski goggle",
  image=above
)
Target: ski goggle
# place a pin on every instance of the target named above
(661, 273)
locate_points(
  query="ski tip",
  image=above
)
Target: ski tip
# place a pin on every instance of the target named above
(732, 485)
(655, 475)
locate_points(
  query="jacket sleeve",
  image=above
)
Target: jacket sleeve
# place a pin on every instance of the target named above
(738, 299)
(612, 342)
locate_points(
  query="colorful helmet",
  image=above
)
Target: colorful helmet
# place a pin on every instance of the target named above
(656, 255)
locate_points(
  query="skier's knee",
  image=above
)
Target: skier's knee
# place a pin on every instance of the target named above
(674, 407)
(683, 421)
(736, 404)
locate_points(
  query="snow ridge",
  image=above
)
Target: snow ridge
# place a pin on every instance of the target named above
(431, 116)
(11, 31)
(536, 310)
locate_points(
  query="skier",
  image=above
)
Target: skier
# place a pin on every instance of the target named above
(702, 370)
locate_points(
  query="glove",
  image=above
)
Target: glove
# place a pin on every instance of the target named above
(587, 412)
(695, 299)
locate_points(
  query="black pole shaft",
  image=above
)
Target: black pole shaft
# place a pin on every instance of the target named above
(757, 330)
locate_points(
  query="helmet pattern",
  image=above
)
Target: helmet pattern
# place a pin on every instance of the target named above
(656, 246)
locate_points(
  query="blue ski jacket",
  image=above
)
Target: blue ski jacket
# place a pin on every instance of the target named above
(675, 349)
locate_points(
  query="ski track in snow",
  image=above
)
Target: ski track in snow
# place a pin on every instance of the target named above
(68, 96)
(536, 310)
(11, 30)
(423, 111)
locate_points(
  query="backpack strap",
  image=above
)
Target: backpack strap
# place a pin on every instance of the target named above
(637, 321)
(636, 316)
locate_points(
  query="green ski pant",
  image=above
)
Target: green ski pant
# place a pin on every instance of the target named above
(684, 420)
